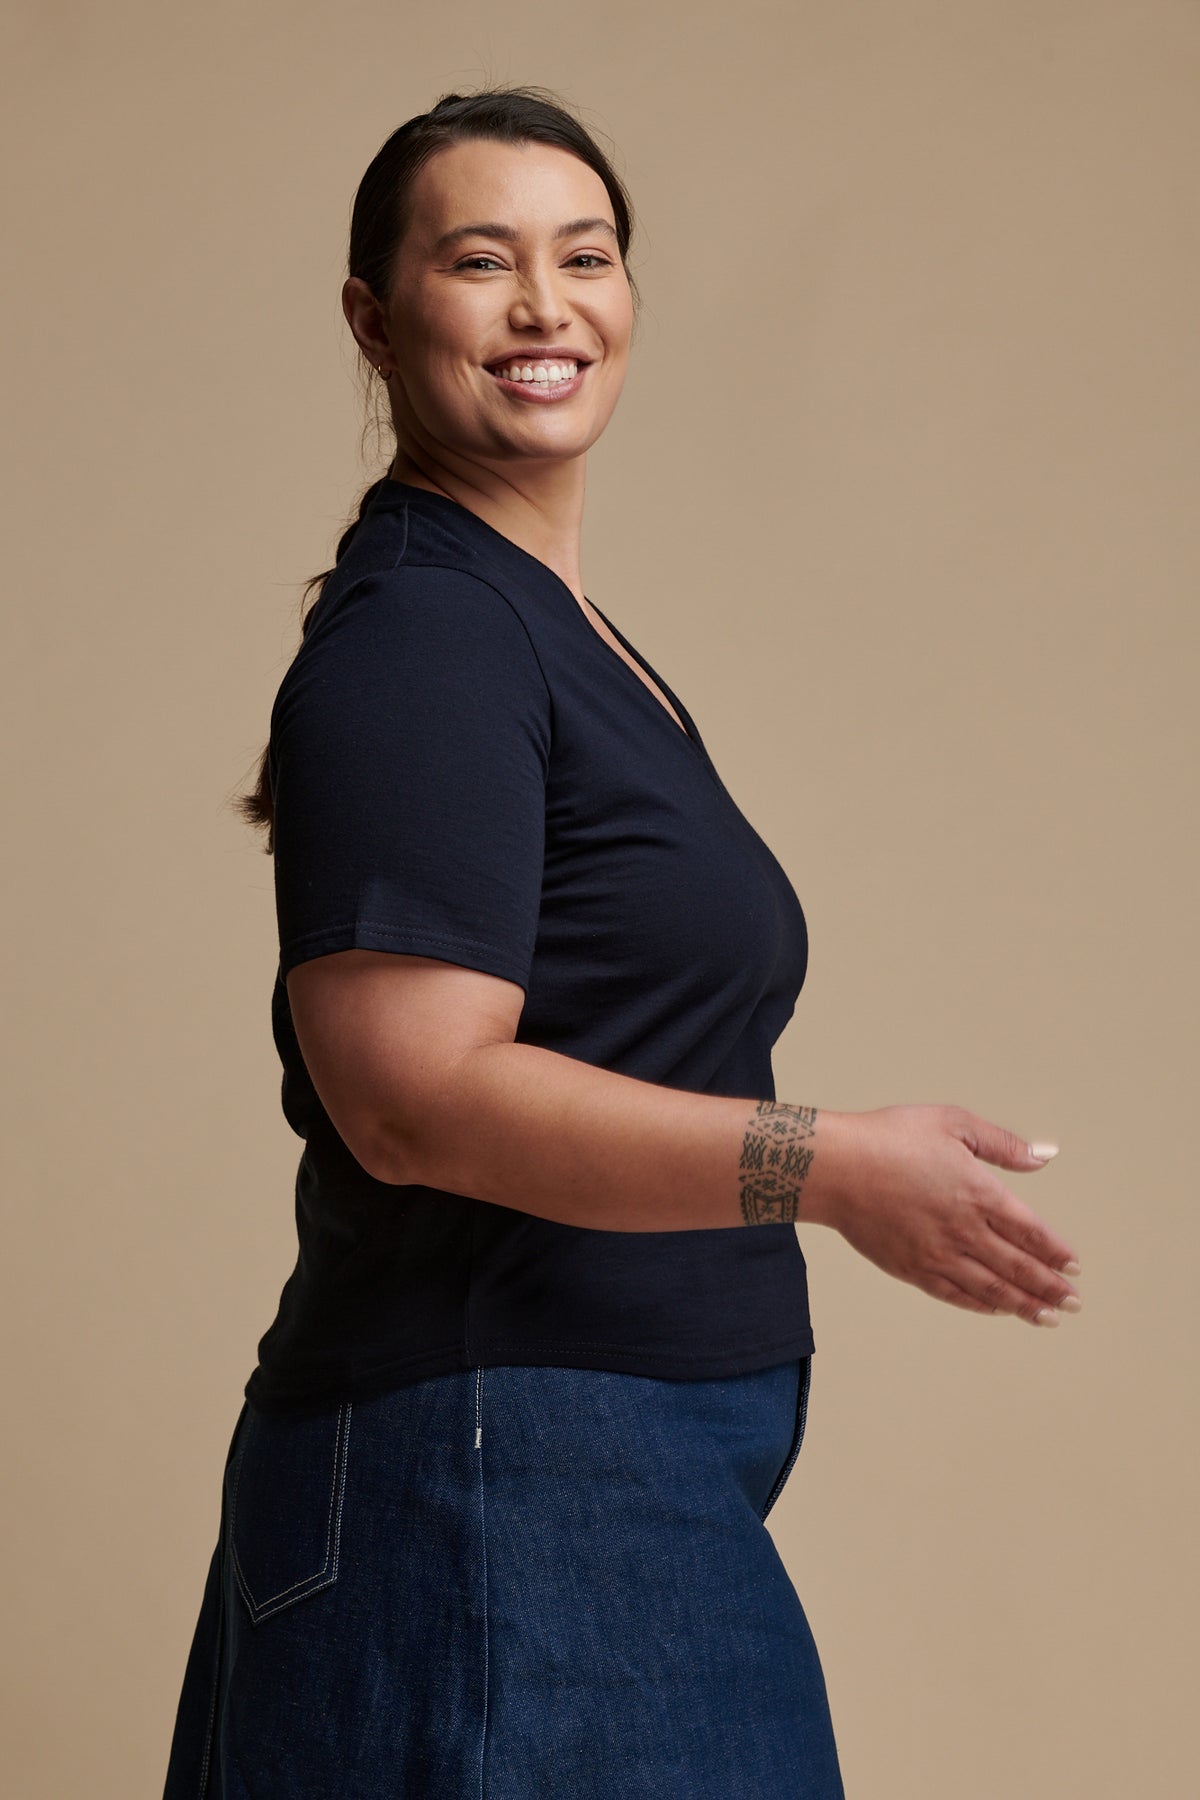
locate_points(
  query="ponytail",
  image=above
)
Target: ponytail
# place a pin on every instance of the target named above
(257, 804)
(379, 221)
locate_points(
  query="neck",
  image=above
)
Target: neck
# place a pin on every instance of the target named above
(539, 506)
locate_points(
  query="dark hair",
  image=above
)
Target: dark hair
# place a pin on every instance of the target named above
(379, 221)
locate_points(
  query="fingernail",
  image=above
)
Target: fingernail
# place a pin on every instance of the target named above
(1047, 1316)
(1070, 1268)
(1043, 1152)
(1070, 1303)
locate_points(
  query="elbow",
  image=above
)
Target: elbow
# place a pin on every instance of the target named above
(434, 1155)
(392, 1157)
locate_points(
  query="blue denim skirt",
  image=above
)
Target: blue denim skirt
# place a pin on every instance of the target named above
(509, 1583)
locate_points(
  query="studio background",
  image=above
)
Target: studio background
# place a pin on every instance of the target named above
(901, 498)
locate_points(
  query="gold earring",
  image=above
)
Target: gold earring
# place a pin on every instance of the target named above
(379, 366)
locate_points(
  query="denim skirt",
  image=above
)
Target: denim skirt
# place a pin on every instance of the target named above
(509, 1583)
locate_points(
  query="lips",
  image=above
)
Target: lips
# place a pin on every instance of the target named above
(539, 392)
(533, 357)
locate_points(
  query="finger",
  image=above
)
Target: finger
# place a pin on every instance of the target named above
(992, 1143)
(942, 1288)
(1020, 1226)
(1028, 1274)
(998, 1294)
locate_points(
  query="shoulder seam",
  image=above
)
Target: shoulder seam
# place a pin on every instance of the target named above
(457, 569)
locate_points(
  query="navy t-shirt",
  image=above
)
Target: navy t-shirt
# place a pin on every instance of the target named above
(463, 768)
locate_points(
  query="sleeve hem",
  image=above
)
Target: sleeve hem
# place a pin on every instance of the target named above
(470, 953)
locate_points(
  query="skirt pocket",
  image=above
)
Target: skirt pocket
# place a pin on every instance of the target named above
(805, 1378)
(284, 1489)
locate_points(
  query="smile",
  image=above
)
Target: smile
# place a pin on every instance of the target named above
(540, 380)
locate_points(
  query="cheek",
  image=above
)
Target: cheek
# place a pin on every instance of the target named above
(620, 315)
(452, 352)
(440, 330)
(444, 381)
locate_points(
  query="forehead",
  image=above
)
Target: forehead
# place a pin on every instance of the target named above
(531, 187)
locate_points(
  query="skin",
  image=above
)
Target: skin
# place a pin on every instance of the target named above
(907, 1186)
(519, 466)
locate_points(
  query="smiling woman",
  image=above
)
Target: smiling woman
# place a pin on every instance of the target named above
(493, 1510)
(509, 296)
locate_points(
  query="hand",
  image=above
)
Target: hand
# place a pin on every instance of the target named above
(922, 1205)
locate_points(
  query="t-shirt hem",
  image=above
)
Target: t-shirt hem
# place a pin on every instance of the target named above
(492, 1351)
(365, 934)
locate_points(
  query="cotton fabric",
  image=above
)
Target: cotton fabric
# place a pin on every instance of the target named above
(463, 768)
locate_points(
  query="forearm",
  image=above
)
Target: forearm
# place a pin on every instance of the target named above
(546, 1134)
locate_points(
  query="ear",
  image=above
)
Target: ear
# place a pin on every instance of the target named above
(365, 319)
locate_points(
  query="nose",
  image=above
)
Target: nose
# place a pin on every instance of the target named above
(540, 301)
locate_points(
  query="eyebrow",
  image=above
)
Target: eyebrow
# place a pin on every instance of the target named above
(510, 236)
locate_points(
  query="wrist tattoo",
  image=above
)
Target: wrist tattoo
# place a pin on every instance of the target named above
(777, 1153)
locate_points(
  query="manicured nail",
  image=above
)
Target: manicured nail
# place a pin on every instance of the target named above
(1070, 1268)
(1043, 1152)
(1047, 1316)
(1070, 1303)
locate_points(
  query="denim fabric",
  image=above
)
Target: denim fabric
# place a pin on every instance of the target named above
(509, 1583)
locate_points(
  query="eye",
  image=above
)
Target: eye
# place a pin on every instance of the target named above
(584, 256)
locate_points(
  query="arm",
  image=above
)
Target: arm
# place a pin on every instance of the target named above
(531, 1129)
(416, 1062)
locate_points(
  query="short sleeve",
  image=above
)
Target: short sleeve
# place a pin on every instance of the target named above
(410, 743)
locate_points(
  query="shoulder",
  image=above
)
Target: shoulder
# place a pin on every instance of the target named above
(397, 639)
(416, 603)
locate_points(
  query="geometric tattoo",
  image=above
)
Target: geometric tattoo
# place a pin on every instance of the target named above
(776, 1156)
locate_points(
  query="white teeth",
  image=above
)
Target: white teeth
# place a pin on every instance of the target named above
(544, 372)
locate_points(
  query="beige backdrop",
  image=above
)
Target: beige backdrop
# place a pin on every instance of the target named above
(901, 497)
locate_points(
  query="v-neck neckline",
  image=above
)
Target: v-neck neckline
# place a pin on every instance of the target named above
(688, 728)
(689, 733)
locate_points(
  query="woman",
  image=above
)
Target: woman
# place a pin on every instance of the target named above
(493, 1509)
